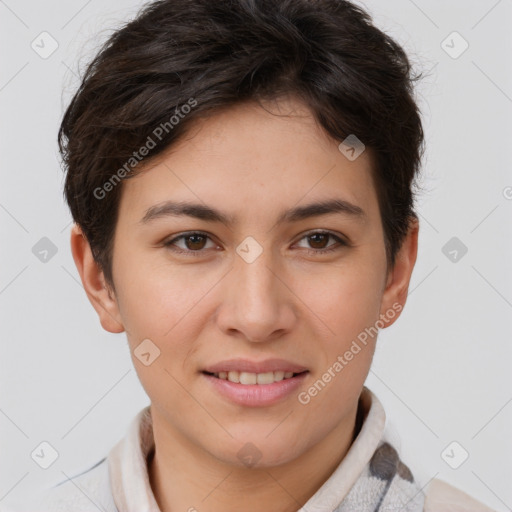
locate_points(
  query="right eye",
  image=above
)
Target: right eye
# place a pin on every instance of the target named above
(194, 243)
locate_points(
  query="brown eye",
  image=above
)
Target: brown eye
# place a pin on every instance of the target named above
(190, 243)
(195, 242)
(318, 240)
(318, 243)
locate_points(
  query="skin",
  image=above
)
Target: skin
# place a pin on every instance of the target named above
(200, 310)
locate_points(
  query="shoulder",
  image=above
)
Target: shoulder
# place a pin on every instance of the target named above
(442, 497)
(88, 491)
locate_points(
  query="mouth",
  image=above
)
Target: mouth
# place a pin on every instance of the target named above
(250, 379)
(251, 383)
(255, 388)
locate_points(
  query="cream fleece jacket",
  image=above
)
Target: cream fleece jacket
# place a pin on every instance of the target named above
(120, 482)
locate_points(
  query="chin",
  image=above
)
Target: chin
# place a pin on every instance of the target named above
(260, 453)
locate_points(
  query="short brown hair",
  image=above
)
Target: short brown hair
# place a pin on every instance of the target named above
(211, 55)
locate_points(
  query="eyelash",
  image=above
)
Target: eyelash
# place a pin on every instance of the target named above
(340, 243)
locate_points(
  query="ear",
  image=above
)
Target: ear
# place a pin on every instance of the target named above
(398, 278)
(99, 293)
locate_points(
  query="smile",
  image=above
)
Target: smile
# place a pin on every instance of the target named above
(248, 378)
(248, 389)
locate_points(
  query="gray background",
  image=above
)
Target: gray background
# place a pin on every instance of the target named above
(442, 371)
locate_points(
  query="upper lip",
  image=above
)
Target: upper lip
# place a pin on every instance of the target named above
(245, 365)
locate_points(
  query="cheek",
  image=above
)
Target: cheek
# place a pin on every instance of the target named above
(346, 300)
(161, 307)
(348, 304)
(154, 298)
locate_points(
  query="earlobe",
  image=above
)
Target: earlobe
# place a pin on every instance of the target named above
(398, 279)
(98, 292)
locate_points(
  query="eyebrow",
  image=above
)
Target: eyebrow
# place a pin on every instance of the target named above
(209, 214)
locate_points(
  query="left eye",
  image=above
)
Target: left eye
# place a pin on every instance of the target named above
(320, 238)
(195, 242)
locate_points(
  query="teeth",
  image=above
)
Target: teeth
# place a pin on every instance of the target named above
(254, 378)
(234, 376)
(264, 378)
(278, 376)
(248, 378)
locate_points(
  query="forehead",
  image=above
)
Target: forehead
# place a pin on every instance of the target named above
(248, 160)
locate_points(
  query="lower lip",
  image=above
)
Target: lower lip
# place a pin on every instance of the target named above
(256, 395)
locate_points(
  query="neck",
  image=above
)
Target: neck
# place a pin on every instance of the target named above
(185, 478)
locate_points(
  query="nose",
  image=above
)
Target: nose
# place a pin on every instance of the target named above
(257, 304)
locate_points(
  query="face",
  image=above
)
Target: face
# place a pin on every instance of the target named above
(254, 280)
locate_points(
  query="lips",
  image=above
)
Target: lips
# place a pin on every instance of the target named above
(255, 383)
(248, 392)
